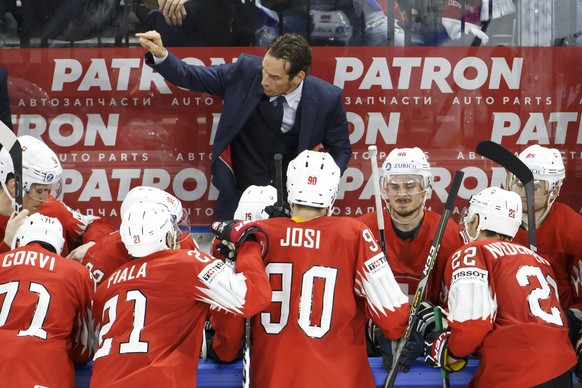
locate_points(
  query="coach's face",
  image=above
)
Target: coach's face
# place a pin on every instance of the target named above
(276, 78)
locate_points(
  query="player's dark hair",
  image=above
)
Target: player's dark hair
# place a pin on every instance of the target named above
(44, 244)
(499, 236)
(292, 48)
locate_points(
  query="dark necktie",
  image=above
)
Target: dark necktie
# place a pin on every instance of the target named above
(278, 115)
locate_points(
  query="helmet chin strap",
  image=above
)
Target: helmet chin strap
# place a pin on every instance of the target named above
(393, 216)
(467, 232)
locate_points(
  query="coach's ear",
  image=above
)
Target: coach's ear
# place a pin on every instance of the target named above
(299, 77)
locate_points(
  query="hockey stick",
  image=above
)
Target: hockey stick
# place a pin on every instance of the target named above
(373, 151)
(9, 141)
(434, 248)
(438, 319)
(514, 165)
(279, 179)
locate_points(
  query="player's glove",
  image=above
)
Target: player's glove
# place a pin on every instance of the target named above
(414, 347)
(578, 368)
(573, 317)
(275, 211)
(436, 352)
(236, 232)
(226, 249)
(380, 345)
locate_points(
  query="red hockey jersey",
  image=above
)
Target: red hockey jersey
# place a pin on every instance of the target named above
(45, 322)
(109, 253)
(559, 241)
(151, 311)
(408, 257)
(503, 303)
(328, 277)
(78, 228)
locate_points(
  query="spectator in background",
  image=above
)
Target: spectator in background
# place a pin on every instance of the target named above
(5, 115)
(200, 22)
(45, 326)
(336, 23)
(109, 253)
(41, 185)
(271, 105)
(406, 184)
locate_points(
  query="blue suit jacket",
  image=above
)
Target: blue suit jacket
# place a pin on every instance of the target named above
(5, 116)
(323, 118)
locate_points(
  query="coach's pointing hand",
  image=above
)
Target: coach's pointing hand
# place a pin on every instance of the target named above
(152, 41)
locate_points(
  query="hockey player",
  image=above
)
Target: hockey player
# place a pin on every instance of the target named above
(558, 231)
(406, 184)
(109, 253)
(41, 180)
(151, 311)
(502, 302)
(44, 322)
(558, 227)
(328, 275)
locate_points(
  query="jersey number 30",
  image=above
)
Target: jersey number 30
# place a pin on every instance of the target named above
(283, 296)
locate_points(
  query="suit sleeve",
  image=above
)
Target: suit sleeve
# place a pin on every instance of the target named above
(212, 79)
(5, 115)
(336, 137)
(386, 303)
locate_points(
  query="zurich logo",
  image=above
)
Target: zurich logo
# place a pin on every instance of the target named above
(388, 166)
(50, 177)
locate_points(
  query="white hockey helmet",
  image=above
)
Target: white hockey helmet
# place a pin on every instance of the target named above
(251, 206)
(145, 227)
(40, 165)
(407, 161)
(546, 164)
(148, 194)
(499, 211)
(38, 227)
(313, 179)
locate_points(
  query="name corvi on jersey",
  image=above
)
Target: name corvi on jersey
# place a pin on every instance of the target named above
(29, 258)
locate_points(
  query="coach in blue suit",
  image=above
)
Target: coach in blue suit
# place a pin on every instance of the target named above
(5, 116)
(250, 130)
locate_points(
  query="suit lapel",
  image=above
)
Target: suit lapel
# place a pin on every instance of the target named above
(249, 104)
(308, 110)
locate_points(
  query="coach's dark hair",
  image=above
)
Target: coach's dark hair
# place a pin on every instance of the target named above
(292, 48)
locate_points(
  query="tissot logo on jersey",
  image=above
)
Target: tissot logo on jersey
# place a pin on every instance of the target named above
(377, 264)
(210, 273)
(473, 275)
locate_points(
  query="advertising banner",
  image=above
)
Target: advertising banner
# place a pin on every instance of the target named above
(116, 124)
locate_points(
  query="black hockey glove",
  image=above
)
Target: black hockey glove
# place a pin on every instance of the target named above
(275, 211)
(578, 368)
(575, 333)
(236, 232)
(226, 249)
(414, 347)
(436, 352)
(382, 346)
